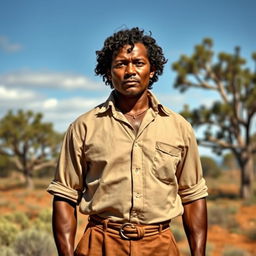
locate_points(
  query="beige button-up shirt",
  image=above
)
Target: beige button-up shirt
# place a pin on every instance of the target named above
(111, 171)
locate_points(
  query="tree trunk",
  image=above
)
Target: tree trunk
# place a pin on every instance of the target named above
(29, 181)
(247, 176)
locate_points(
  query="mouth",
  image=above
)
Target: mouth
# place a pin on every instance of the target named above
(130, 82)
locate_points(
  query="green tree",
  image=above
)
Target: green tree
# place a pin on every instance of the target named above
(30, 143)
(228, 122)
(210, 167)
(6, 166)
(229, 161)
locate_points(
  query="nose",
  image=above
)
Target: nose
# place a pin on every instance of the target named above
(130, 69)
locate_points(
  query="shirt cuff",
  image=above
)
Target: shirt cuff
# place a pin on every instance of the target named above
(58, 189)
(194, 192)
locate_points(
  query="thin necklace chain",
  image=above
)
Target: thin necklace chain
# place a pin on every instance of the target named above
(135, 116)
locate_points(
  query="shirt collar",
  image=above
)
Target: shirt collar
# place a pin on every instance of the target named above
(109, 104)
(156, 105)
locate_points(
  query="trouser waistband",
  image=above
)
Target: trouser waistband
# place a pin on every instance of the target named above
(128, 231)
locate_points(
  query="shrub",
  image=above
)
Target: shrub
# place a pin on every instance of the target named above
(8, 231)
(178, 233)
(34, 243)
(223, 217)
(19, 218)
(45, 172)
(229, 162)
(210, 167)
(251, 234)
(44, 221)
(186, 251)
(251, 200)
(234, 252)
(6, 166)
(209, 249)
(45, 216)
(33, 210)
(7, 251)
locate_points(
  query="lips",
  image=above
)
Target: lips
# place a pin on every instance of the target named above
(130, 82)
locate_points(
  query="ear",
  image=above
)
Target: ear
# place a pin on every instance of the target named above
(152, 72)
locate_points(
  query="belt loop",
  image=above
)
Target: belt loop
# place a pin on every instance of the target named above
(160, 228)
(105, 224)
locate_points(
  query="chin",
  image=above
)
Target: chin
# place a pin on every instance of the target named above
(133, 93)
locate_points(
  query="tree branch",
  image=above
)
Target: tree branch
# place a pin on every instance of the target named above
(2, 152)
(201, 84)
(216, 142)
(220, 86)
(17, 163)
(50, 163)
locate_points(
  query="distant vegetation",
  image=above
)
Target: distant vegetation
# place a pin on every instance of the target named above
(27, 144)
(210, 167)
(228, 123)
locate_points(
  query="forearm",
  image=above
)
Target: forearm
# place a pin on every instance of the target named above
(195, 225)
(64, 223)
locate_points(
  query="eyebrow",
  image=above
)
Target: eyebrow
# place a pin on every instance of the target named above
(124, 59)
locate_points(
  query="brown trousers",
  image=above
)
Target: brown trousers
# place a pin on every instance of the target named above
(100, 242)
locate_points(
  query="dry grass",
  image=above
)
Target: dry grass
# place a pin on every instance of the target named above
(225, 212)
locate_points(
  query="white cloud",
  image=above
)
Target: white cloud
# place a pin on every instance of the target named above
(50, 103)
(173, 101)
(194, 98)
(15, 99)
(61, 112)
(15, 94)
(67, 110)
(7, 46)
(21, 90)
(49, 79)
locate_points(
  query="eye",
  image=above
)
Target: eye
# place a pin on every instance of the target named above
(119, 65)
(139, 63)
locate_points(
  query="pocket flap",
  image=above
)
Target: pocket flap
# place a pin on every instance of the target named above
(168, 149)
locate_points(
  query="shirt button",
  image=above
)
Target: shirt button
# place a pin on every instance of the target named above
(137, 195)
(134, 214)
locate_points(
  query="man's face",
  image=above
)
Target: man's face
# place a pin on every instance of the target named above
(130, 70)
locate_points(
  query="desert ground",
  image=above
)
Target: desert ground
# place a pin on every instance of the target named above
(232, 221)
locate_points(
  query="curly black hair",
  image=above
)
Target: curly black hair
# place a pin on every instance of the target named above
(129, 37)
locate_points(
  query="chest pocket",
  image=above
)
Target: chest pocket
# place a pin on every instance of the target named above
(165, 162)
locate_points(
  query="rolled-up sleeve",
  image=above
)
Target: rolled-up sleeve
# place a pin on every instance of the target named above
(189, 174)
(69, 177)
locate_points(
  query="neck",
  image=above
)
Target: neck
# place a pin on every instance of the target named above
(132, 104)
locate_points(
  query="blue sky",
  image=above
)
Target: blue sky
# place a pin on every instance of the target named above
(47, 48)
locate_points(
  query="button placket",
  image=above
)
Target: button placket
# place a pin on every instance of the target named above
(137, 181)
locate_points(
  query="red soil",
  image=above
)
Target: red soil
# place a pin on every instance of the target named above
(32, 202)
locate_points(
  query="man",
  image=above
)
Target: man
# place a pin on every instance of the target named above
(131, 164)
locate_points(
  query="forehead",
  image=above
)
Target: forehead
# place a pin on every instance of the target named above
(139, 50)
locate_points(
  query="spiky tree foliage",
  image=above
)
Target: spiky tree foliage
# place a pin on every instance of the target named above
(228, 122)
(28, 141)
